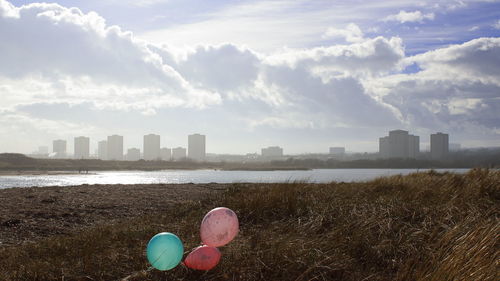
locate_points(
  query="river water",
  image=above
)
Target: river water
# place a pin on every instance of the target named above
(204, 176)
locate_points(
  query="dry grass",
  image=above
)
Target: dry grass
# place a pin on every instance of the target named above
(425, 226)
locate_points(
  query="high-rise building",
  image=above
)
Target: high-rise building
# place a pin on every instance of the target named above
(102, 150)
(166, 154)
(59, 148)
(383, 147)
(178, 153)
(272, 152)
(82, 148)
(196, 147)
(133, 154)
(413, 146)
(151, 147)
(115, 147)
(439, 145)
(398, 144)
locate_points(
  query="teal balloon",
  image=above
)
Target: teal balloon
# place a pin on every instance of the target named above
(165, 251)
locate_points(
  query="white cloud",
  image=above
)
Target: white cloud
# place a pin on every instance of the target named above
(478, 59)
(220, 68)
(369, 58)
(415, 16)
(59, 46)
(351, 33)
(458, 88)
(319, 85)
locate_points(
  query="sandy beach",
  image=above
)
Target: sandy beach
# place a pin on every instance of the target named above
(28, 214)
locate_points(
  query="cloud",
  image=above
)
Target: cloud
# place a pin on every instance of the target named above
(369, 58)
(478, 59)
(73, 58)
(220, 68)
(270, 26)
(267, 88)
(415, 16)
(351, 33)
(496, 25)
(457, 89)
(325, 104)
(83, 59)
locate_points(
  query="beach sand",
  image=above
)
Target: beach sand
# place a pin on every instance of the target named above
(28, 214)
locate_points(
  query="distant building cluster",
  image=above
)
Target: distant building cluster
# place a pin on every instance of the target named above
(401, 144)
(397, 144)
(112, 149)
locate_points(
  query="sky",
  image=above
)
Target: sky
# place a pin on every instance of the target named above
(303, 75)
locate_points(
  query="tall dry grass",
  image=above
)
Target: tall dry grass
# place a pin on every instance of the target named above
(424, 226)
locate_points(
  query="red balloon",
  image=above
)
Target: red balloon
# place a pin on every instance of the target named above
(219, 227)
(203, 258)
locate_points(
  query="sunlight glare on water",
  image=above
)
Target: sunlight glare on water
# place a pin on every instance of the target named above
(204, 176)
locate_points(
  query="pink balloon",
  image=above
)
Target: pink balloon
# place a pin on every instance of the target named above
(203, 258)
(219, 227)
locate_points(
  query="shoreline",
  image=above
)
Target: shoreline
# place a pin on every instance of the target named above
(93, 172)
(17, 163)
(42, 173)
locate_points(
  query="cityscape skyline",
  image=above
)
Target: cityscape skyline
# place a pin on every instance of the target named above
(398, 144)
(94, 146)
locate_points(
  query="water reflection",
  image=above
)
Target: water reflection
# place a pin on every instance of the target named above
(204, 176)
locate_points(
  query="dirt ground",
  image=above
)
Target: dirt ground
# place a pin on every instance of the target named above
(27, 214)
